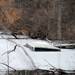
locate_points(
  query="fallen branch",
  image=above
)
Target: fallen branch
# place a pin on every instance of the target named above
(22, 49)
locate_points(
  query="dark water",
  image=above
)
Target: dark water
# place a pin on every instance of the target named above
(37, 73)
(33, 73)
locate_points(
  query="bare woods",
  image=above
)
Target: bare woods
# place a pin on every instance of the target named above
(53, 19)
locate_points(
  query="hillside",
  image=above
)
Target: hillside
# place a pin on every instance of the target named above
(53, 19)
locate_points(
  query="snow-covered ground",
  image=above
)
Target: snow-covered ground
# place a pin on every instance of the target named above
(20, 54)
